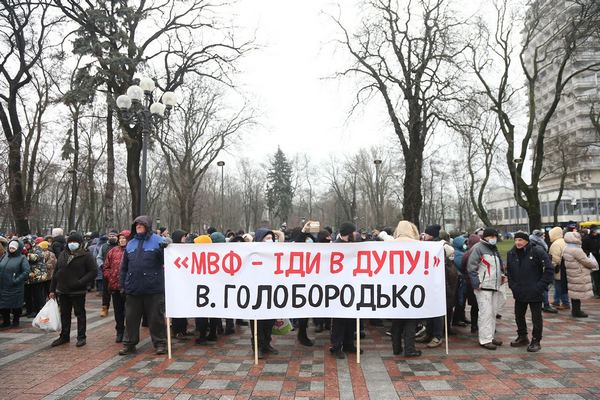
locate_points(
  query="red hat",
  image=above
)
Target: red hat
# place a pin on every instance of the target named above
(39, 240)
(125, 233)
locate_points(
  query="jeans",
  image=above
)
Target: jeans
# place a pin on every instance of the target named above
(560, 295)
(536, 318)
(75, 303)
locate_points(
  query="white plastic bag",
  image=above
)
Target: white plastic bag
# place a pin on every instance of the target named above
(48, 318)
(593, 260)
(281, 327)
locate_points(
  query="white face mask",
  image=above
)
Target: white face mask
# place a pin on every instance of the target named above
(309, 240)
(73, 246)
(493, 241)
(268, 240)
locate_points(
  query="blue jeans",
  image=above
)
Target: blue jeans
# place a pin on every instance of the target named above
(560, 296)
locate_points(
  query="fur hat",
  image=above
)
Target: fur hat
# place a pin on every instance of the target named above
(57, 232)
(75, 237)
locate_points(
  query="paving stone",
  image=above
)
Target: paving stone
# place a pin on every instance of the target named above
(271, 386)
(435, 385)
(162, 382)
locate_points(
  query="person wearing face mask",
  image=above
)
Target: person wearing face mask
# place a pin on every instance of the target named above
(14, 271)
(111, 243)
(264, 326)
(529, 272)
(112, 279)
(75, 270)
(486, 272)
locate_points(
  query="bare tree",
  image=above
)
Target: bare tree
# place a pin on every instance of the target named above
(550, 45)
(407, 56)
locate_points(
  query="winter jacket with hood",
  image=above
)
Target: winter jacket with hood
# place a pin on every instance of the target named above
(578, 268)
(529, 272)
(177, 235)
(556, 249)
(142, 270)
(260, 234)
(591, 244)
(485, 266)
(538, 241)
(58, 245)
(74, 272)
(406, 232)
(460, 247)
(14, 271)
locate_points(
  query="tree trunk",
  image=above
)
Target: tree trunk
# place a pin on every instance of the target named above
(412, 196)
(109, 192)
(134, 150)
(74, 182)
(534, 211)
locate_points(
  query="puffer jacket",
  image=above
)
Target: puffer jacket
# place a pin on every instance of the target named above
(485, 266)
(14, 270)
(142, 269)
(460, 247)
(406, 232)
(50, 260)
(112, 267)
(38, 272)
(556, 249)
(578, 268)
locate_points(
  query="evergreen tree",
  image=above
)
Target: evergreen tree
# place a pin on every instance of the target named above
(279, 187)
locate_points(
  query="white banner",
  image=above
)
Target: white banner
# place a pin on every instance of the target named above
(297, 280)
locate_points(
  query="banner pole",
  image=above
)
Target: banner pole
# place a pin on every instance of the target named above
(255, 322)
(358, 340)
(169, 337)
(446, 330)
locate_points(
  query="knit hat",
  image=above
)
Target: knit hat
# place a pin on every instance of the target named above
(39, 240)
(490, 232)
(538, 232)
(203, 239)
(43, 245)
(521, 235)
(217, 237)
(433, 230)
(347, 228)
(113, 232)
(57, 232)
(125, 232)
(75, 237)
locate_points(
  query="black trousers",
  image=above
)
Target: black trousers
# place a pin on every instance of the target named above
(119, 307)
(106, 295)
(16, 312)
(72, 303)
(35, 297)
(536, 318)
(342, 332)
(596, 282)
(264, 328)
(207, 326)
(179, 325)
(403, 330)
(153, 305)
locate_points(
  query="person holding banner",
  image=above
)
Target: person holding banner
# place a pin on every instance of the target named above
(486, 271)
(206, 327)
(143, 283)
(264, 326)
(404, 329)
(343, 329)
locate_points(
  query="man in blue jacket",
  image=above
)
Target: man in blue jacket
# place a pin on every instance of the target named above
(143, 282)
(530, 272)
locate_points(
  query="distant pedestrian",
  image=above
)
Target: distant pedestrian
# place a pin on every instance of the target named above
(75, 270)
(557, 246)
(529, 272)
(14, 271)
(578, 268)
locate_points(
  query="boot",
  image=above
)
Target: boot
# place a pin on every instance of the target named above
(534, 347)
(521, 340)
(229, 327)
(303, 338)
(576, 309)
(104, 311)
(127, 350)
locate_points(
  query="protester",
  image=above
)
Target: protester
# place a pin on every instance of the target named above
(591, 245)
(302, 336)
(38, 275)
(143, 282)
(112, 279)
(264, 326)
(206, 327)
(537, 238)
(179, 325)
(14, 271)
(557, 246)
(529, 272)
(403, 330)
(578, 269)
(487, 275)
(75, 270)
(343, 329)
(112, 242)
(58, 241)
(50, 261)
(460, 247)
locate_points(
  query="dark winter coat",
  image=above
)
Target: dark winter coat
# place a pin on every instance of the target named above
(74, 272)
(142, 269)
(14, 271)
(529, 271)
(591, 244)
(58, 245)
(112, 268)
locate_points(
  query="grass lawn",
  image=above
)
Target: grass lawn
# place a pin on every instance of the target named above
(504, 246)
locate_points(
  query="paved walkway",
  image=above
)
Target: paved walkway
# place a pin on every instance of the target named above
(568, 367)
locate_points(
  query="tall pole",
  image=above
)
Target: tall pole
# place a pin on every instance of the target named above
(516, 162)
(222, 164)
(145, 129)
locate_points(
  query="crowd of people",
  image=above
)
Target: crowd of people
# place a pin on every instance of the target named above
(127, 269)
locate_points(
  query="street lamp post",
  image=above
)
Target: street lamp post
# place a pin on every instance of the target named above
(221, 164)
(378, 210)
(139, 109)
(516, 162)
